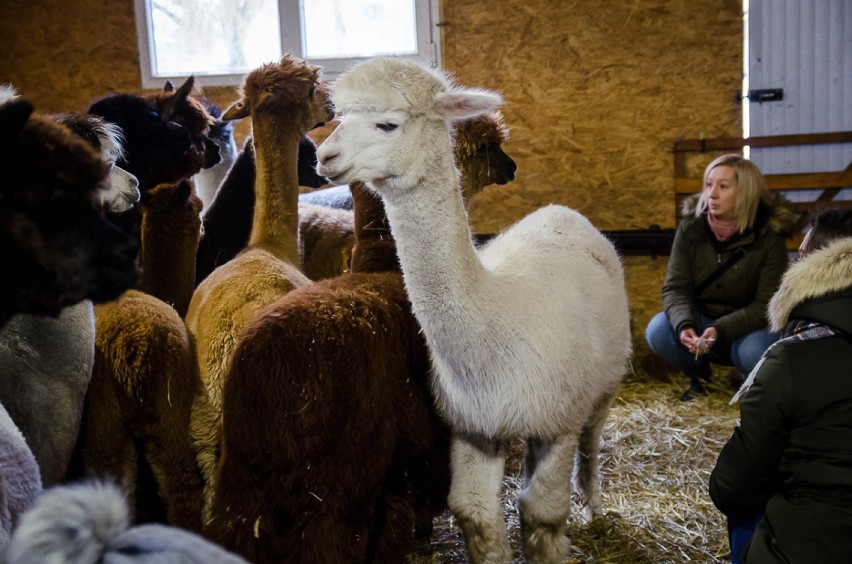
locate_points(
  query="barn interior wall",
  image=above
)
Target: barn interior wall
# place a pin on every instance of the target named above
(595, 94)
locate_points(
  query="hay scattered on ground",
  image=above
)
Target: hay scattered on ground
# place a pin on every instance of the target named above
(656, 459)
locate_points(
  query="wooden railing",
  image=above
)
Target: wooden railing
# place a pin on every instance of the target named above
(830, 183)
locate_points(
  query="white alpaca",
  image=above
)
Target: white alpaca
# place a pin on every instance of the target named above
(529, 335)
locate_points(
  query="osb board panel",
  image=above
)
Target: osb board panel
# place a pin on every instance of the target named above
(596, 92)
(643, 277)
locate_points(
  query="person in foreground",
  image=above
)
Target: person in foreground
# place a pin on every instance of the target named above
(786, 473)
(727, 259)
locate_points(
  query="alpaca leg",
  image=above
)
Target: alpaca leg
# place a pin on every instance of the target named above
(169, 454)
(203, 428)
(477, 467)
(587, 475)
(106, 450)
(545, 502)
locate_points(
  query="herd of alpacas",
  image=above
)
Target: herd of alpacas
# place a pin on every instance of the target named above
(209, 354)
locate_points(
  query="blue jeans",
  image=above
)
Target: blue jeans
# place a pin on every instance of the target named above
(739, 536)
(742, 353)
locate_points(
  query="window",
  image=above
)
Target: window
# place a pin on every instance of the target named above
(219, 41)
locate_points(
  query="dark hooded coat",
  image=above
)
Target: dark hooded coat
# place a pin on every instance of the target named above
(791, 457)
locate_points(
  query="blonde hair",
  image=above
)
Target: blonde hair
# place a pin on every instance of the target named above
(751, 188)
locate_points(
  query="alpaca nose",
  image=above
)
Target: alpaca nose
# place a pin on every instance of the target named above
(325, 154)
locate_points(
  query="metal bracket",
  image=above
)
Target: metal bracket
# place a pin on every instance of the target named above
(762, 95)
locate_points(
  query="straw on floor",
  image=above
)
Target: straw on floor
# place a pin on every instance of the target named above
(656, 459)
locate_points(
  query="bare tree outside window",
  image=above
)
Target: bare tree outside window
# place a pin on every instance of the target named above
(359, 28)
(214, 36)
(222, 40)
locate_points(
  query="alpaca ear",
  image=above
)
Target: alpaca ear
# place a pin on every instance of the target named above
(464, 104)
(13, 117)
(263, 100)
(185, 89)
(237, 110)
(183, 192)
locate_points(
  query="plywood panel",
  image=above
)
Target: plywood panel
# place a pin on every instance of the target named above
(595, 95)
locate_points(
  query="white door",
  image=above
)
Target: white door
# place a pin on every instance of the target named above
(805, 48)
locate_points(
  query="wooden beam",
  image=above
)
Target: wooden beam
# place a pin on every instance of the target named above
(803, 181)
(737, 143)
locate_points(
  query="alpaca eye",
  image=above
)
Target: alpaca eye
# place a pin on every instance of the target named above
(386, 127)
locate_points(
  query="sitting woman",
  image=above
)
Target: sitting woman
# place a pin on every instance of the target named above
(787, 469)
(727, 259)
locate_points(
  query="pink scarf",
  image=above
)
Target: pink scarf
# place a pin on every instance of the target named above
(723, 230)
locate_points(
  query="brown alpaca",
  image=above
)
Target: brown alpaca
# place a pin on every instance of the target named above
(284, 100)
(185, 106)
(171, 215)
(145, 378)
(332, 450)
(326, 236)
(327, 412)
(138, 405)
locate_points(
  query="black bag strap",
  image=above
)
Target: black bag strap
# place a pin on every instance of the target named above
(739, 253)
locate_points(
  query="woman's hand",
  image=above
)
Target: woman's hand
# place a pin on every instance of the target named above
(699, 345)
(710, 337)
(688, 338)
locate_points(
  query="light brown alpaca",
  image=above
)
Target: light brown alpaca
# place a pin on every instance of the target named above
(284, 100)
(144, 378)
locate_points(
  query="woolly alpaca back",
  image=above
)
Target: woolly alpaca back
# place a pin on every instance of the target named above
(20, 481)
(138, 407)
(89, 522)
(72, 524)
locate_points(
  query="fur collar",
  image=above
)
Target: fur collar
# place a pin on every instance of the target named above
(823, 272)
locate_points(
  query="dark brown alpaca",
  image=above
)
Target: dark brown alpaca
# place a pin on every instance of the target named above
(55, 247)
(165, 133)
(165, 142)
(327, 414)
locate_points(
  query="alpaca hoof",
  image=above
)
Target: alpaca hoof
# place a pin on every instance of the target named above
(546, 544)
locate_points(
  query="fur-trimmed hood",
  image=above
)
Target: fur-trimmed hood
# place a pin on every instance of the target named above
(822, 273)
(781, 218)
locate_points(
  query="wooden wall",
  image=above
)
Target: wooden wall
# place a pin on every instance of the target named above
(596, 92)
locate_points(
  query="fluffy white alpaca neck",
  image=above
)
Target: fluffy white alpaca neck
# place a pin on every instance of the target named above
(434, 242)
(276, 210)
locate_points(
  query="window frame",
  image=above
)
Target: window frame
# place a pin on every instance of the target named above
(428, 44)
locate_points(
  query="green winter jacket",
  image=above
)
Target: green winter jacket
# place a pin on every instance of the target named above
(791, 457)
(737, 300)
